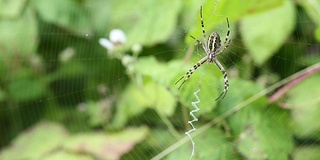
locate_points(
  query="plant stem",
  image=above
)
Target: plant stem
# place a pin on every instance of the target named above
(235, 109)
(293, 83)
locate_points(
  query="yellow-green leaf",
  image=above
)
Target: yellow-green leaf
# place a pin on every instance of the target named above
(35, 142)
(264, 33)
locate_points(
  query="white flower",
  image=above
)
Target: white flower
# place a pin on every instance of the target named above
(117, 38)
(106, 43)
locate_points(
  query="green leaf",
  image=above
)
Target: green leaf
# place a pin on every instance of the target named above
(19, 35)
(237, 9)
(59, 155)
(12, 8)
(308, 152)
(239, 91)
(304, 102)
(265, 134)
(149, 66)
(161, 99)
(135, 99)
(262, 131)
(264, 33)
(67, 14)
(310, 59)
(35, 142)
(3, 95)
(205, 79)
(103, 146)
(70, 70)
(210, 89)
(99, 112)
(208, 78)
(209, 145)
(25, 88)
(143, 25)
(157, 140)
(317, 33)
(245, 89)
(215, 14)
(312, 8)
(3, 64)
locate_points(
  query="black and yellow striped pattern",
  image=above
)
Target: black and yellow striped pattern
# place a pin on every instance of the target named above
(212, 47)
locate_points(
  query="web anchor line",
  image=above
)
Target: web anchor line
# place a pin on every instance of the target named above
(195, 119)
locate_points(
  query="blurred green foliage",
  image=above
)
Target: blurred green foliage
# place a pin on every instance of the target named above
(64, 96)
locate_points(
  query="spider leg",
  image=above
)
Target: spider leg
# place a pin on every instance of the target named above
(226, 42)
(228, 32)
(190, 72)
(199, 42)
(223, 48)
(180, 80)
(226, 81)
(202, 25)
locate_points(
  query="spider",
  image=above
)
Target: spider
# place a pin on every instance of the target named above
(212, 47)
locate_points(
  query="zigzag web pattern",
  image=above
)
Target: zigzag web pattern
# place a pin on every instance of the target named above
(195, 119)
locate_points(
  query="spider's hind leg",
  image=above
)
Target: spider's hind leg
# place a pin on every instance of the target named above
(222, 95)
(226, 81)
(179, 81)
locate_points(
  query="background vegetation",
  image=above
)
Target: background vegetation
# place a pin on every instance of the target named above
(64, 96)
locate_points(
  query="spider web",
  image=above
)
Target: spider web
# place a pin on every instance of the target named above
(78, 96)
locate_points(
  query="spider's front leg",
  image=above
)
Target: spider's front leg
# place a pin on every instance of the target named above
(199, 43)
(191, 70)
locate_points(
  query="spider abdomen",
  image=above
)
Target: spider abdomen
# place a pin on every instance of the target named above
(214, 42)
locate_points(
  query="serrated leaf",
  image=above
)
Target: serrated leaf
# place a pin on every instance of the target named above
(67, 14)
(215, 15)
(103, 146)
(264, 33)
(307, 152)
(209, 145)
(143, 25)
(263, 131)
(304, 102)
(11, 9)
(242, 90)
(19, 35)
(35, 142)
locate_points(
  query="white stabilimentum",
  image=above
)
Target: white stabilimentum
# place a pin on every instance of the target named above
(195, 119)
